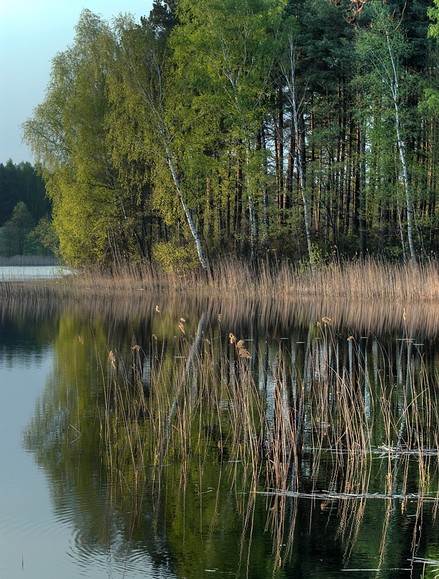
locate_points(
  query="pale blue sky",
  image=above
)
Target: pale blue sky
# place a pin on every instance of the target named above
(31, 33)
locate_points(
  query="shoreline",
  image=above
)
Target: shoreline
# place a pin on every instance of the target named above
(29, 260)
(351, 281)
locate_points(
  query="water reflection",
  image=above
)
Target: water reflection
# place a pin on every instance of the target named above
(193, 438)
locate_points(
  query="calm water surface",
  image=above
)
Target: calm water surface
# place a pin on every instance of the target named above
(95, 482)
(29, 272)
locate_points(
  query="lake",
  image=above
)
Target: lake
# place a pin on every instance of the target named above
(31, 272)
(177, 438)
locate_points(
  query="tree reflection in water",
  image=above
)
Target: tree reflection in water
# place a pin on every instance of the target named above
(235, 437)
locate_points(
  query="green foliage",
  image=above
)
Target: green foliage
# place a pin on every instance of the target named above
(433, 13)
(180, 129)
(430, 102)
(175, 258)
(14, 235)
(44, 233)
(381, 49)
(92, 172)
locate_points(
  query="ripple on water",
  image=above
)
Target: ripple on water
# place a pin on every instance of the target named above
(96, 545)
(116, 558)
(48, 547)
(31, 547)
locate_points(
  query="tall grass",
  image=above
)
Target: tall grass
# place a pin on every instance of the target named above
(338, 430)
(371, 279)
(354, 280)
(331, 415)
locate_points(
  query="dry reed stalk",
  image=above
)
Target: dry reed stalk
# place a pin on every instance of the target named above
(209, 403)
(284, 432)
(368, 280)
(281, 522)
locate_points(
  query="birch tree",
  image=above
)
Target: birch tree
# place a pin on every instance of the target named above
(293, 97)
(224, 54)
(381, 48)
(142, 64)
(67, 137)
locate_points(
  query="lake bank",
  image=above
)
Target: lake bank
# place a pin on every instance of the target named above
(27, 273)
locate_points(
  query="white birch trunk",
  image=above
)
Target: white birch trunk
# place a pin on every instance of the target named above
(158, 109)
(190, 221)
(156, 106)
(251, 211)
(401, 151)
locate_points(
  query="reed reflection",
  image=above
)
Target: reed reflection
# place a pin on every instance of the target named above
(195, 431)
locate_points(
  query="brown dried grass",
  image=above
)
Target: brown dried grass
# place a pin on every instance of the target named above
(233, 279)
(369, 280)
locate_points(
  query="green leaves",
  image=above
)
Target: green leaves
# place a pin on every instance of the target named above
(181, 129)
(433, 13)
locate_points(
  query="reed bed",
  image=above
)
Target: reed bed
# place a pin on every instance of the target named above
(353, 280)
(290, 402)
(337, 429)
(181, 410)
(287, 408)
(332, 416)
(371, 279)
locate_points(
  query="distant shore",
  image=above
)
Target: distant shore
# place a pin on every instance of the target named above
(23, 260)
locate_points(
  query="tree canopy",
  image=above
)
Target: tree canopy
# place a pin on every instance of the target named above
(301, 129)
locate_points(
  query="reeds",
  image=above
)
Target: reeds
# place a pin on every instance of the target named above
(334, 416)
(336, 420)
(356, 280)
(353, 280)
(319, 416)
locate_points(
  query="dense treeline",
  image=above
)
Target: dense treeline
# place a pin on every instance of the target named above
(24, 212)
(301, 129)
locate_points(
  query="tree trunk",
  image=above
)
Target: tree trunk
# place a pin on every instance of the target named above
(360, 186)
(292, 97)
(190, 221)
(401, 150)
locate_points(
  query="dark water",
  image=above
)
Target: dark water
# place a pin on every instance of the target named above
(139, 440)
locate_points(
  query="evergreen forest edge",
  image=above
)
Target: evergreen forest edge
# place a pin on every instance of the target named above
(259, 129)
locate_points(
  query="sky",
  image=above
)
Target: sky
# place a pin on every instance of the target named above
(32, 32)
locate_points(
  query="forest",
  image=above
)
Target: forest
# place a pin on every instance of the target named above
(25, 213)
(304, 130)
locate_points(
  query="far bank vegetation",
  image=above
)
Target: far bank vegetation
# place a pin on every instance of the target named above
(292, 136)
